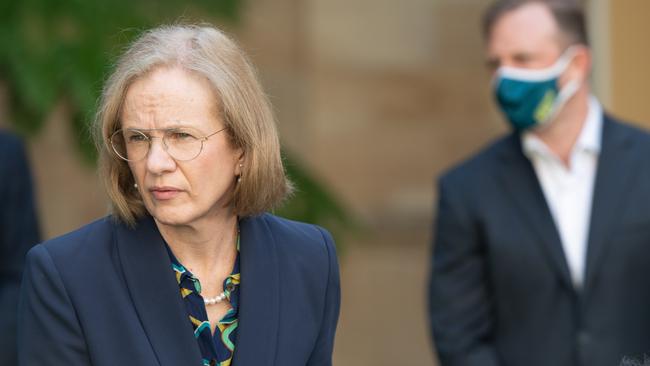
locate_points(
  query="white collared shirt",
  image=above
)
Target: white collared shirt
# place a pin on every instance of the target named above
(569, 190)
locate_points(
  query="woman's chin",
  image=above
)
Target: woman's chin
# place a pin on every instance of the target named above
(170, 216)
(182, 215)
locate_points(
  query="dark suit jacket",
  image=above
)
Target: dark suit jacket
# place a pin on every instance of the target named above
(18, 233)
(105, 295)
(501, 292)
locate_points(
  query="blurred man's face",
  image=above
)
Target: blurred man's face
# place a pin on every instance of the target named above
(527, 37)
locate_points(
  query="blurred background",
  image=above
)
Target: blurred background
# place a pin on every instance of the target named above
(374, 99)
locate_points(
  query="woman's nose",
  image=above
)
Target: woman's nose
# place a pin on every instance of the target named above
(158, 159)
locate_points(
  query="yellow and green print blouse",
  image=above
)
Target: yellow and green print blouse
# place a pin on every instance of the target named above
(217, 349)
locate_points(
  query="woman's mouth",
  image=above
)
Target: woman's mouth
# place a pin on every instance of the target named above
(164, 193)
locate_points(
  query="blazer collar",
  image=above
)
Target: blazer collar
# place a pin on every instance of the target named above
(616, 165)
(259, 296)
(155, 294)
(616, 168)
(524, 190)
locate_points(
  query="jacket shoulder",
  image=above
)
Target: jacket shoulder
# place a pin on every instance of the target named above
(628, 130)
(296, 239)
(10, 142)
(480, 164)
(13, 156)
(82, 242)
(296, 231)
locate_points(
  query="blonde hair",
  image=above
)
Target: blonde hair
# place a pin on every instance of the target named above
(244, 108)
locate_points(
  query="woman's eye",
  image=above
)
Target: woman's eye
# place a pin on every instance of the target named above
(136, 137)
(180, 135)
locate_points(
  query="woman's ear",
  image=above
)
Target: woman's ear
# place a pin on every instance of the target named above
(240, 163)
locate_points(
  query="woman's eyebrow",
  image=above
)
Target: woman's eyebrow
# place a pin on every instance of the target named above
(175, 126)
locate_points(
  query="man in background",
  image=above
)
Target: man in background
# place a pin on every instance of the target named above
(542, 240)
(18, 233)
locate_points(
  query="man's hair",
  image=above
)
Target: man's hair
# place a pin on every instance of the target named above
(568, 15)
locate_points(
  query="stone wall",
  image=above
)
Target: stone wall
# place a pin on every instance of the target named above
(376, 98)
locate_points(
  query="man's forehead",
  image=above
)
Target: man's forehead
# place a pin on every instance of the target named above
(526, 23)
(524, 29)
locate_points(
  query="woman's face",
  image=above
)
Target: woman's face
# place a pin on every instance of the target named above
(169, 101)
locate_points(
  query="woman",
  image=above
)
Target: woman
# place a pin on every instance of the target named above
(188, 270)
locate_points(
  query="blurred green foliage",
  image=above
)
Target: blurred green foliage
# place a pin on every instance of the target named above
(61, 50)
(311, 202)
(53, 49)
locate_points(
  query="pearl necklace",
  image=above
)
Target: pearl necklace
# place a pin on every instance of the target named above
(215, 300)
(219, 298)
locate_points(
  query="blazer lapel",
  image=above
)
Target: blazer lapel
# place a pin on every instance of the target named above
(522, 186)
(259, 297)
(613, 177)
(155, 294)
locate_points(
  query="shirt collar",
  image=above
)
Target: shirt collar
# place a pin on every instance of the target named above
(589, 140)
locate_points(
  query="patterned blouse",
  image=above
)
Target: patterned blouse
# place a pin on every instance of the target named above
(216, 350)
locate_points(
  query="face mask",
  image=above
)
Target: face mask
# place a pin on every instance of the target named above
(532, 98)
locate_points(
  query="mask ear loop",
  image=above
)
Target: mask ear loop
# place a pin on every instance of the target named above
(567, 92)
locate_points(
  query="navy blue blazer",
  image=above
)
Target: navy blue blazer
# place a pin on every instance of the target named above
(105, 295)
(18, 233)
(501, 290)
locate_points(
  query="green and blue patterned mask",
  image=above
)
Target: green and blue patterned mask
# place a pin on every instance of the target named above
(532, 98)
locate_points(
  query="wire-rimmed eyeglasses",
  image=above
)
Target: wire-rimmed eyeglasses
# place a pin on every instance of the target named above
(182, 144)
